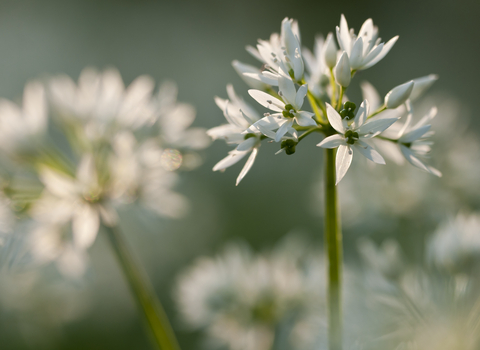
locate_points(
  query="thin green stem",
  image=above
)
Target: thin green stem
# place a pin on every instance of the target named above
(333, 244)
(340, 98)
(308, 132)
(381, 109)
(143, 291)
(333, 84)
(316, 108)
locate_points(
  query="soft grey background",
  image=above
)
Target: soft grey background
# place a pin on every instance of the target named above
(193, 43)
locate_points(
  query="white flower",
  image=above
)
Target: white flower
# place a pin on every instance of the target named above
(240, 116)
(242, 69)
(287, 112)
(175, 119)
(413, 141)
(280, 52)
(79, 200)
(351, 136)
(455, 242)
(100, 102)
(363, 50)
(330, 51)
(22, 129)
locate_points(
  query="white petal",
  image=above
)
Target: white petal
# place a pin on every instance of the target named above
(242, 68)
(361, 115)
(287, 89)
(301, 93)
(342, 161)
(232, 158)
(263, 78)
(421, 85)
(304, 118)
(85, 224)
(332, 141)
(335, 119)
(375, 126)
(247, 144)
(248, 165)
(343, 75)
(283, 130)
(412, 158)
(369, 152)
(386, 48)
(270, 122)
(267, 100)
(356, 56)
(414, 134)
(343, 35)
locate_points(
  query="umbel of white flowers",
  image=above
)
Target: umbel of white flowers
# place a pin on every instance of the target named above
(121, 145)
(289, 73)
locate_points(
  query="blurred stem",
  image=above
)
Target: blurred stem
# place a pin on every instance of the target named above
(316, 108)
(143, 291)
(333, 244)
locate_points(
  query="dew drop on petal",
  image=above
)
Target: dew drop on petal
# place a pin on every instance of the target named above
(171, 159)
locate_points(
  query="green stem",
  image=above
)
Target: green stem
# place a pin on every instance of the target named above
(316, 108)
(340, 98)
(143, 292)
(333, 84)
(308, 132)
(333, 244)
(381, 109)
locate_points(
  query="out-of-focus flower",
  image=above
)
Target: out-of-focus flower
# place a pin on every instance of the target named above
(23, 129)
(456, 243)
(398, 95)
(246, 301)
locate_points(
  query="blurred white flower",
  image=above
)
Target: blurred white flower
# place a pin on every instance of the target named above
(23, 129)
(242, 300)
(455, 243)
(100, 102)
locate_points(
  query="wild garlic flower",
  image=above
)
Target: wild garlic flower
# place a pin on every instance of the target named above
(364, 50)
(292, 73)
(240, 117)
(240, 298)
(281, 52)
(23, 129)
(101, 104)
(287, 111)
(352, 135)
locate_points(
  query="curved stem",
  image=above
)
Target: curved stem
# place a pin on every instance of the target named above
(381, 109)
(333, 245)
(143, 292)
(313, 102)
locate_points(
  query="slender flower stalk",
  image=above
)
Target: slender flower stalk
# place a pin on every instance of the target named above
(142, 291)
(333, 244)
(289, 74)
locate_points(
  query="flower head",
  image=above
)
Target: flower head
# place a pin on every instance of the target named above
(352, 135)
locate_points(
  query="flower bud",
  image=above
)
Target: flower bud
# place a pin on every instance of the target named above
(330, 51)
(342, 71)
(398, 95)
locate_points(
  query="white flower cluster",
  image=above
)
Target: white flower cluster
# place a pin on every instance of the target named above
(290, 73)
(253, 301)
(274, 299)
(83, 149)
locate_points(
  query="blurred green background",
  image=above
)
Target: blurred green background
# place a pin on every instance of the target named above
(193, 43)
